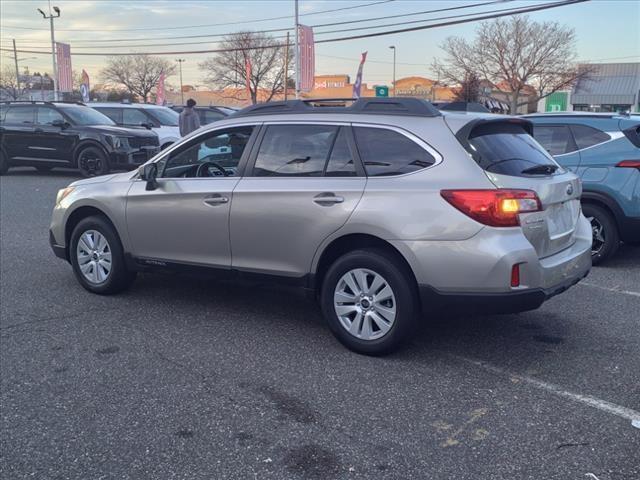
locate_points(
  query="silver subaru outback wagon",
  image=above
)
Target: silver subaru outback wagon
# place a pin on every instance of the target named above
(386, 209)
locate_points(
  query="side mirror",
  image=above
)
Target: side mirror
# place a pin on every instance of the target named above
(148, 126)
(59, 123)
(149, 173)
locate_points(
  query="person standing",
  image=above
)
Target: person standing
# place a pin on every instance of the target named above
(189, 120)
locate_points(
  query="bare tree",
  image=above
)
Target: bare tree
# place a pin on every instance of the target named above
(9, 85)
(513, 53)
(229, 69)
(138, 73)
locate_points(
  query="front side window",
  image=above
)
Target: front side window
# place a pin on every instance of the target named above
(295, 150)
(164, 116)
(214, 155)
(386, 152)
(556, 139)
(133, 116)
(19, 115)
(211, 116)
(46, 116)
(588, 136)
(81, 115)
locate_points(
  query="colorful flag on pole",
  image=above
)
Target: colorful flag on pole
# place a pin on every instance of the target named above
(160, 94)
(358, 84)
(84, 86)
(65, 74)
(307, 57)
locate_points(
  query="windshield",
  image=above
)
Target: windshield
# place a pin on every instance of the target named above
(165, 116)
(81, 115)
(509, 150)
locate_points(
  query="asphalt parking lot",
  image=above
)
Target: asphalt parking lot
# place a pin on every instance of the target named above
(182, 378)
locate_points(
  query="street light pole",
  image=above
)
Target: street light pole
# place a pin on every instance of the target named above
(53, 48)
(15, 59)
(393, 47)
(297, 53)
(180, 60)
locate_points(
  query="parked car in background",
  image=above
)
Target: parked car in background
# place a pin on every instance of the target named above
(209, 114)
(162, 120)
(57, 134)
(383, 209)
(604, 150)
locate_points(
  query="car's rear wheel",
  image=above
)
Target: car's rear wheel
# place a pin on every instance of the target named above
(370, 302)
(605, 233)
(92, 161)
(97, 257)
(4, 163)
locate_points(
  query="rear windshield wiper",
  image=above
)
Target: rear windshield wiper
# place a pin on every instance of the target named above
(547, 169)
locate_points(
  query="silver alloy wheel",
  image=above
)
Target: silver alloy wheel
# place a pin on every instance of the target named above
(94, 256)
(365, 304)
(598, 232)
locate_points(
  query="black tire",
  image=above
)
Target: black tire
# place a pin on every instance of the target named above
(119, 278)
(606, 238)
(92, 161)
(43, 168)
(399, 278)
(4, 163)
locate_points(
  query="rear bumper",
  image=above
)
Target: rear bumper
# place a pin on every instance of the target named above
(491, 303)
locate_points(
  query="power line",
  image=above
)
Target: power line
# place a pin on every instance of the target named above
(275, 30)
(513, 11)
(213, 24)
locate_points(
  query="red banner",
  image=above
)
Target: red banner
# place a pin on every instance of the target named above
(306, 46)
(65, 74)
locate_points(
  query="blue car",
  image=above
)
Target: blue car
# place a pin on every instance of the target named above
(604, 150)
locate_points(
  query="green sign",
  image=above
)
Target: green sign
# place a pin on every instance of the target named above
(382, 91)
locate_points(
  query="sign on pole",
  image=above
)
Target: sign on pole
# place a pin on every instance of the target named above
(84, 86)
(160, 93)
(307, 58)
(65, 74)
(358, 84)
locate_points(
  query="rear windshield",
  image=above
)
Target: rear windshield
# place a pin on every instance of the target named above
(508, 149)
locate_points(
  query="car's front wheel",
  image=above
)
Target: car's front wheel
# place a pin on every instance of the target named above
(97, 257)
(605, 233)
(92, 161)
(370, 302)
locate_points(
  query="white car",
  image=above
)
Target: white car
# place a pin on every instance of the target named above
(162, 120)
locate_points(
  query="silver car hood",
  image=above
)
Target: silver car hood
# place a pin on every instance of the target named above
(103, 178)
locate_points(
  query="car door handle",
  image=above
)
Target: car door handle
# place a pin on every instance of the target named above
(216, 199)
(327, 199)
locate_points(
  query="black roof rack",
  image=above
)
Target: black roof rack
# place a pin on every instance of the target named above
(373, 105)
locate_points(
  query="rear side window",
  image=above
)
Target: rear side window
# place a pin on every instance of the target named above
(19, 115)
(633, 134)
(295, 150)
(588, 136)
(386, 152)
(556, 139)
(114, 114)
(507, 149)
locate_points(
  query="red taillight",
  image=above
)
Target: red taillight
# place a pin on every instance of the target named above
(496, 208)
(515, 275)
(629, 164)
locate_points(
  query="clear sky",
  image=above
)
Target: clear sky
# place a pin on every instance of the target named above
(606, 30)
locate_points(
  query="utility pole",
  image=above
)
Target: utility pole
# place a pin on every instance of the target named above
(180, 60)
(286, 68)
(297, 54)
(15, 59)
(393, 47)
(53, 47)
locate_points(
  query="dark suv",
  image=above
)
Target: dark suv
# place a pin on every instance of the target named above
(57, 134)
